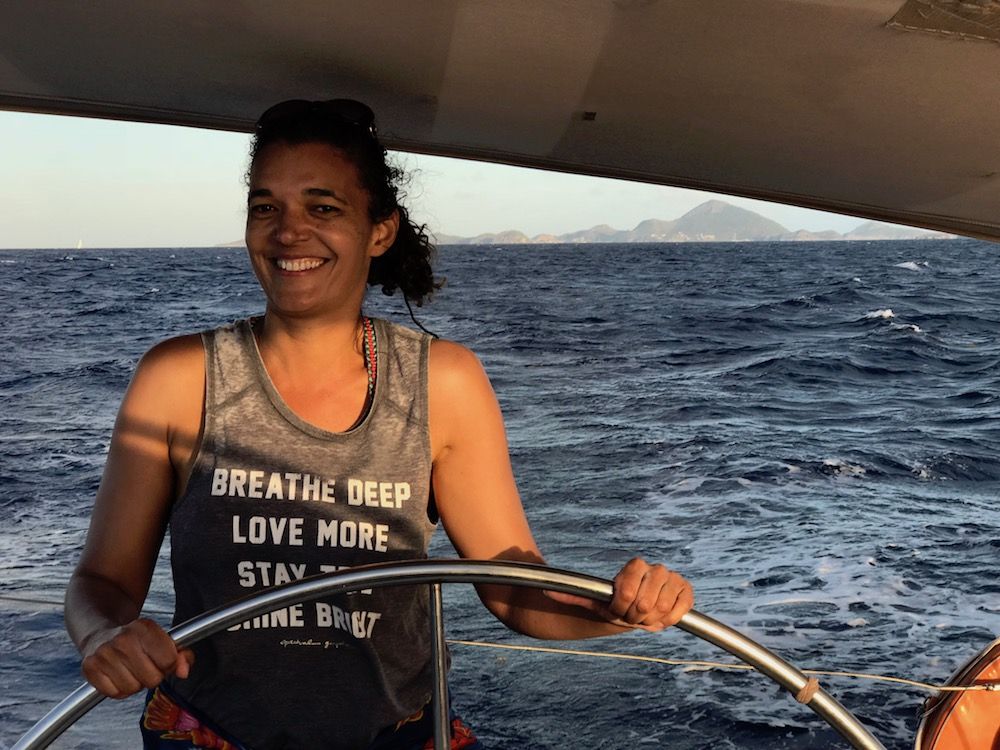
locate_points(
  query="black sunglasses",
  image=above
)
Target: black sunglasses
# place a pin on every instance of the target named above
(347, 110)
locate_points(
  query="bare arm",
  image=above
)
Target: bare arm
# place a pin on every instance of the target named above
(481, 510)
(151, 447)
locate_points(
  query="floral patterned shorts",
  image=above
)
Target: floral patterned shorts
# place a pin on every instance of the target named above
(169, 723)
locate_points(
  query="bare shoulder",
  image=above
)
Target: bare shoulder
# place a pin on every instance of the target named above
(170, 378)
(461, 399)
(456, 378)
(177, 358)
(451, 364)
(179, 353)
(152, 444)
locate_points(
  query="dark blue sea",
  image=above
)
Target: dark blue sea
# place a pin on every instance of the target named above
(809, 431)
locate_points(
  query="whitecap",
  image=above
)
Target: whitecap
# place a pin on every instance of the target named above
(690, 484)
(825, 567)
(844, 469)
(907, 327)
(913, 265)
(788, 601)
(858, 622)
(884, 314)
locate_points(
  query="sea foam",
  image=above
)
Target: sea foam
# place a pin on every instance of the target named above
(883, 314)
(913, 265)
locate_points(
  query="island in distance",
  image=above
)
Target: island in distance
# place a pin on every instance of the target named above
(712, 221)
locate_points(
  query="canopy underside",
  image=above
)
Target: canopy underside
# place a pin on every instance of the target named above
(878, 108)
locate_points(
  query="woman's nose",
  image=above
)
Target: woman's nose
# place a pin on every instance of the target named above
(291, 228)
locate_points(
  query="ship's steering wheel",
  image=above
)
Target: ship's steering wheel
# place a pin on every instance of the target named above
(434, 573)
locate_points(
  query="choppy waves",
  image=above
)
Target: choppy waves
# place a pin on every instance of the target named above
(808, 431)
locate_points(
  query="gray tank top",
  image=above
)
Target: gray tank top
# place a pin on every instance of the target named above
(272, 499)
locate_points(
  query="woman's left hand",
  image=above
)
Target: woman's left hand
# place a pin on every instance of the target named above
(649, 597)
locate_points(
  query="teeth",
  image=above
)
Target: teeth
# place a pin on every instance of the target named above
(298, 264)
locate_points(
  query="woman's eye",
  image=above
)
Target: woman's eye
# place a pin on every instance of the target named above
(324, 208)
(261, 209)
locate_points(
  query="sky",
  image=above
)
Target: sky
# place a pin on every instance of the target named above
(69, 180)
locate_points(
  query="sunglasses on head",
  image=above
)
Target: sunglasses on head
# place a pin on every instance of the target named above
(347, 110)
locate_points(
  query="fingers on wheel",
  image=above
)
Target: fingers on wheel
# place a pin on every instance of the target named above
(650, 596)
(140, 655)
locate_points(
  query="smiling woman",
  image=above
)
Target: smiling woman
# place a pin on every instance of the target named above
(309, 234)
(350, 188)
(838, 471)
(389, 429)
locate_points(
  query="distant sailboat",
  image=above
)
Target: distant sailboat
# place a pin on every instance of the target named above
(79, 244)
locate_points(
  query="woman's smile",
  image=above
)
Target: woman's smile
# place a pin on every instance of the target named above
(299, 265)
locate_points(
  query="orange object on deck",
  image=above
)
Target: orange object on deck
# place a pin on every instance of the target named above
(968, 720)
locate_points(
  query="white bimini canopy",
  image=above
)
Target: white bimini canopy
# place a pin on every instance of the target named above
(887, 109)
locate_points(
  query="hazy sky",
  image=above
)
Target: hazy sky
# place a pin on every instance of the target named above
(113, 184)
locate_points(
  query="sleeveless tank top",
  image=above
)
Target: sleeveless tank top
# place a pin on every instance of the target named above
(271, 499)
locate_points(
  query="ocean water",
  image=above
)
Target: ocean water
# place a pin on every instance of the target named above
(808, 431)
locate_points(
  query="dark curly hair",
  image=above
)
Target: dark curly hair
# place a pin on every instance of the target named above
(349, 127)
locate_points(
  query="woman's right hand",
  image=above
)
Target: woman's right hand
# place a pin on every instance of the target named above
(123, 660)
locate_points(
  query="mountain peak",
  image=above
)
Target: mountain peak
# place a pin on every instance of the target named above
(711, 221)
(710, 207)
(718, 221)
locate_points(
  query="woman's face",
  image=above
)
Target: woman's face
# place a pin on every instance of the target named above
(308, 234)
